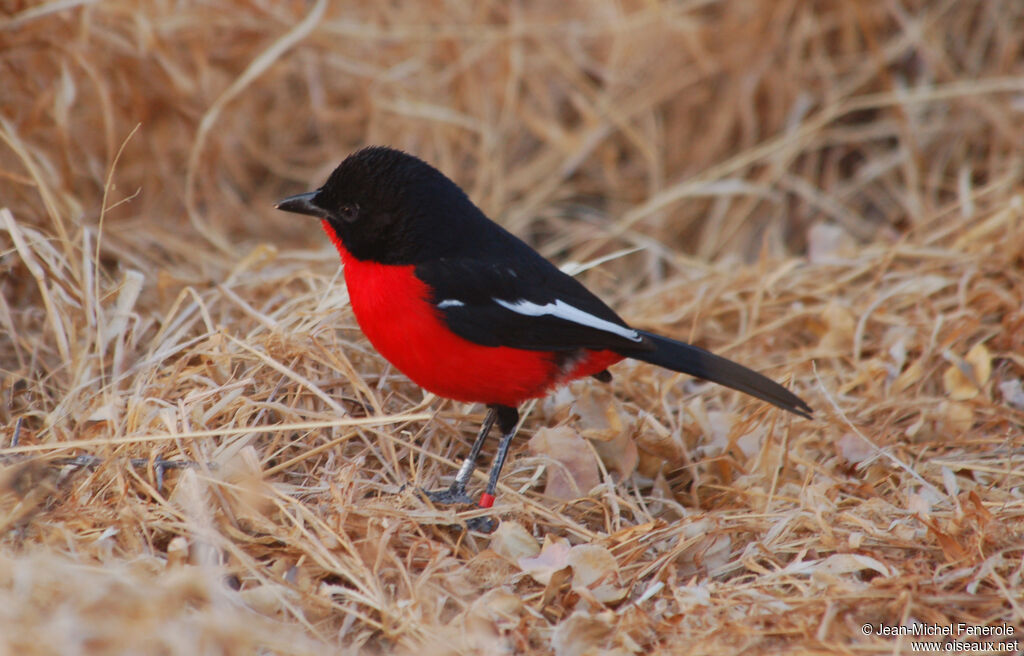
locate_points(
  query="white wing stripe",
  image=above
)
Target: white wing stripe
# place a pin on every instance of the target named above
(563, 310)
(450, 302)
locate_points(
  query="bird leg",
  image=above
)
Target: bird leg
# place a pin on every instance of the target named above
(508, 419)
(457, 492)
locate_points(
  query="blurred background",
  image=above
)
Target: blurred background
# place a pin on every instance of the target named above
(710, 127)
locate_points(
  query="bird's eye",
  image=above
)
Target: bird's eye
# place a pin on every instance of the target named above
(349, 212)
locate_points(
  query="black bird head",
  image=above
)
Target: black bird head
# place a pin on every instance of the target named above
(388, 206)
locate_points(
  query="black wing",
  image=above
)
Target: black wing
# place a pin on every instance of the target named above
(524, 303)
(527, 303)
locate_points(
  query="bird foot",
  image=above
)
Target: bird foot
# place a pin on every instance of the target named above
(448, 496)
(482, 524)
(456, 494)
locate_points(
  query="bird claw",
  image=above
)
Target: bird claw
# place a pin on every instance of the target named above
(482, 524)
(456, 494)
(448, 496)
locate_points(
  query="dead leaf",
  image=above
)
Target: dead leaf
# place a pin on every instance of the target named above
(595, 573)
(980, 360)
(619, 454)
(600, 417)
(609, 428)
(497, 603)
(575, 472)
(957, 385)
(980, 511)
(583, 634)
(908, 377)
(511, 540)
(488, 570)
(709, 547)
(951, 549)
(555, 587)
(553, 557)
(964, 379)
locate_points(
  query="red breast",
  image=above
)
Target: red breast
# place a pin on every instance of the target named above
(394, 310)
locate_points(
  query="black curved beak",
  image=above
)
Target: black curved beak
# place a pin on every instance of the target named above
(302, 204)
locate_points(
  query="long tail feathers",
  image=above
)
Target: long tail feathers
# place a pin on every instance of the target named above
(693, 360)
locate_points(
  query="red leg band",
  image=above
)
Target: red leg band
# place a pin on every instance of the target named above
(486, 500)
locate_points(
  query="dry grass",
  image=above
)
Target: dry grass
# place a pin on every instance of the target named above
(830, 192)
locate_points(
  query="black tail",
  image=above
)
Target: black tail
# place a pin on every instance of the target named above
(689, 359)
